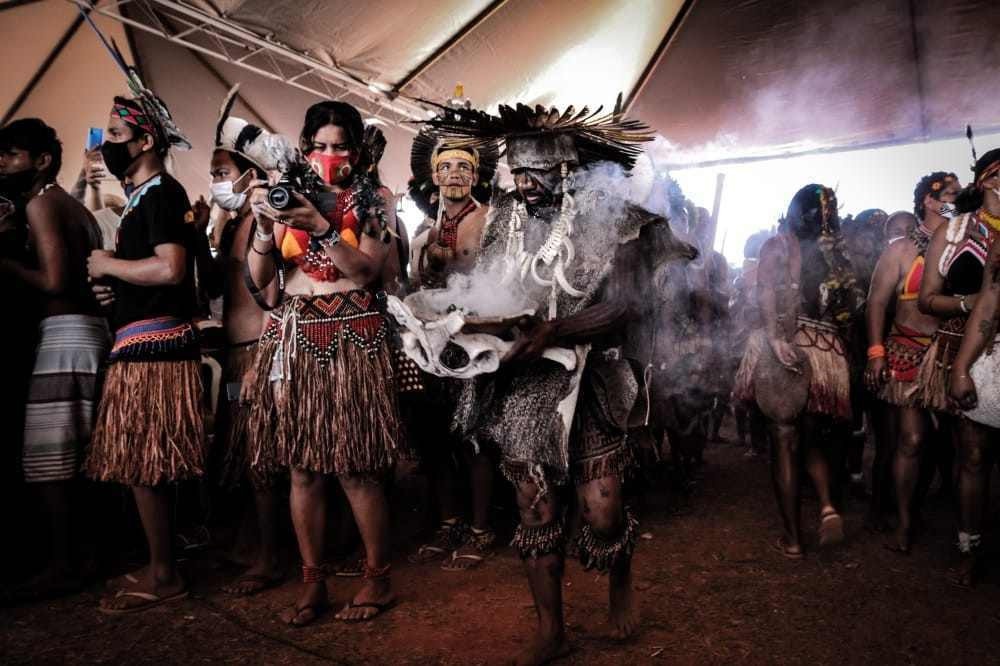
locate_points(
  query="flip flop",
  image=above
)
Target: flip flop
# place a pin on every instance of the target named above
(317, 610)
(449, 564)
(152, 600)
(262, 583)
(379, 609)
(427, 554)
(831, 529)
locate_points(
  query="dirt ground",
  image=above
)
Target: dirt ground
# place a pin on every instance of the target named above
(709, 587)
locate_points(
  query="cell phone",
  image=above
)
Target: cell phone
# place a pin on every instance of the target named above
(95, 137)
(233, 391)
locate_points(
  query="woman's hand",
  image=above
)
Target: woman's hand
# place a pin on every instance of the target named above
(262, 211)
(784, 351)
(247, 386)
(305, 216)
(962, 390)
(876, 374)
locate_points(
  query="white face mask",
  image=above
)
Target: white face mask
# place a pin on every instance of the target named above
(948, 211)
(223, 195)
(996, 191)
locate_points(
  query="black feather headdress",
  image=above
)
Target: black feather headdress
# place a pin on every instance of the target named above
(421, 187)
(607, 137)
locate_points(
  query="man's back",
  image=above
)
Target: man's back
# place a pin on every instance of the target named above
(62, 233)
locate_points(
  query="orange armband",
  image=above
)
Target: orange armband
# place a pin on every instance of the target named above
(876, 351)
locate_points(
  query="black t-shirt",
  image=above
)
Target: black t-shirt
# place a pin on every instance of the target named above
(155, 216)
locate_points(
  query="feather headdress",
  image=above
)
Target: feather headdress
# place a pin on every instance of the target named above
(266, 150)
(429, 143)
(155, 110)
(597, 136)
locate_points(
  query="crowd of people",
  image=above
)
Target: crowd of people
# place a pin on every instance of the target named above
(640, 340)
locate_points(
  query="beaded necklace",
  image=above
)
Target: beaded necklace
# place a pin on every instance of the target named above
(448, 233)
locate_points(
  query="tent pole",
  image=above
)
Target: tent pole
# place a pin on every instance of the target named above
(44, 68)
(720, 181)
(12, 4)
(647, 73)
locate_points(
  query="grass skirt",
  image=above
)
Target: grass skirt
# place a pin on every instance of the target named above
(231, 455)
(935, 370)
(149, 427)
(325, 396)
(825, 352)
(905, 353)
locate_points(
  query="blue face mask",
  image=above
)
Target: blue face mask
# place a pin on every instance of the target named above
(129, 188)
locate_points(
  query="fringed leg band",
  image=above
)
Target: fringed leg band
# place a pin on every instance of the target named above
(600, 554)
(533, 542)
(313, 574)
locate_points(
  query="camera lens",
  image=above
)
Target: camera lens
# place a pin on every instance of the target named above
(279, 197)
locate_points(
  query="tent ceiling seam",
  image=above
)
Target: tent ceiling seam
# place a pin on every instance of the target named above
(44, 67)
(661, 49)
(449, 44)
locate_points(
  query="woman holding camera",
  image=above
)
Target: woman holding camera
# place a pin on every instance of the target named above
(324, 401)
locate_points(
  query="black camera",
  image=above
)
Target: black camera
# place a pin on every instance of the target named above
(299, 177)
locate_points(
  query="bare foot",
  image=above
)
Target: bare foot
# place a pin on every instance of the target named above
(374, 598)
(312, 602)
(542, 650)
(621, 606)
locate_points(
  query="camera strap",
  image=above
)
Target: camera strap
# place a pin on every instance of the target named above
(279, 269)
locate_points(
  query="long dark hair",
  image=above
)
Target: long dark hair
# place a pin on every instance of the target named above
(925, 187)
(342, 115)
